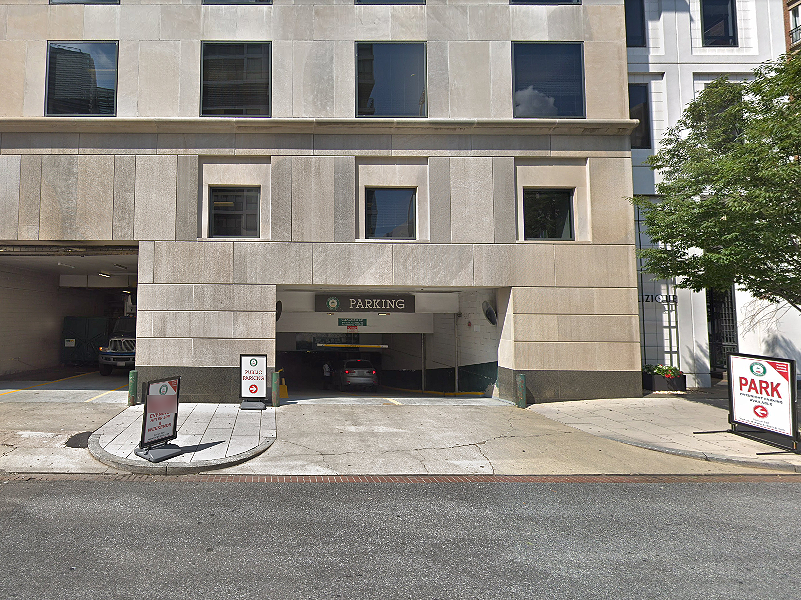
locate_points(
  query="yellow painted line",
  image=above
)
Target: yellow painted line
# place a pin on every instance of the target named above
(108, 392)
(435, 393)
(394, 401)
(45, 383)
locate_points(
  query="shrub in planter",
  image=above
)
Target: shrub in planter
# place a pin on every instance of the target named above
(663, 378)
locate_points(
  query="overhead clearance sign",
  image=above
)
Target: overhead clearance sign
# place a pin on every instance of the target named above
(762, 393)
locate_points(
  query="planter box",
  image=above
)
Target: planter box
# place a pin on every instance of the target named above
(660, 383)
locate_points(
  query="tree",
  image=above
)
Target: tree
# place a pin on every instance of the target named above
(730, 206)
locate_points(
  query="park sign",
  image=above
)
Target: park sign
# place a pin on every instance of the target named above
(253, 376)
(364, 302)
(762, 399)
(160, 420)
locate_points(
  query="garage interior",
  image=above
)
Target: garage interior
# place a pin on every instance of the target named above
(448, 344)
(60, 302)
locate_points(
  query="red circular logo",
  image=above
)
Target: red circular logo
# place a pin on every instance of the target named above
(254, 388)
(760, 411)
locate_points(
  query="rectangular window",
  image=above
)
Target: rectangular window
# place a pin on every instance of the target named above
(391, 80)
(234, 212)
(795, 25)
(547, 214)
(635, 23)
(548, 79)
(718, 22)
(81, 78)
(390, 213)
(237, 2)
(235, 79)
(639, 109)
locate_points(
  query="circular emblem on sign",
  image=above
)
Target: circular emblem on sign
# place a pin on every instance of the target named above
(332, 303)
(760, 411)
(253, 362)
(254, 389)
(758, 369)
(163, 389)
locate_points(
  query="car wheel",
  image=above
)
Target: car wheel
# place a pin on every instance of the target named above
(106, 369)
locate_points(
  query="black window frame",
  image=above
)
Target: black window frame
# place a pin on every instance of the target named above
(424, 93)
(643, 130)
(411, 222)
(580, 46)
(234, 189)
(203, 110)
(571, 195)
(49, 78)
(635, 10)
(720, 41)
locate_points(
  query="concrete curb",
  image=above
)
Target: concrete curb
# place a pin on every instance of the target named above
(716, 458)
(166, 468)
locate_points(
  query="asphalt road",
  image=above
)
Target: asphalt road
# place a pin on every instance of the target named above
(189, 540)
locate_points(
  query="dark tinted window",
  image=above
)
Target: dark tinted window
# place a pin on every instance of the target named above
(389, 213)
(639, 109)
(548, 80)
(719, 22)
(547, 214)
(635, 23)
(391, 80)
(236, 79)
(234, 212)
(82, 78)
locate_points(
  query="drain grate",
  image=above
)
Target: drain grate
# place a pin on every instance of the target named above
(79, 440)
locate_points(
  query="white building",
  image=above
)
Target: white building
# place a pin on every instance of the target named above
(250, 167)
(676, 47)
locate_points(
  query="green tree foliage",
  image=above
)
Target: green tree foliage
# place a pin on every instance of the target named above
(730, 208)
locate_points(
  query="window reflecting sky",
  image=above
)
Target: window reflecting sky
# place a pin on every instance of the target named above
(391, 80)
(549, 80)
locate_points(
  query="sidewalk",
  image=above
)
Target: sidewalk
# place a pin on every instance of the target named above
(406, 436)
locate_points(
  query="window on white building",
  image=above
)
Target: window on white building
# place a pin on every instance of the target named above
(547, 214)
(390, 213)
(635, 23)
(548, 79)
(234, 212)
(235, 79)
(719, 22)
(639, 109)
(81, 78)
(391, 79)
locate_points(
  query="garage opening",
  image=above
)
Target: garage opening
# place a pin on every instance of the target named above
(421, 341)
(63, 302)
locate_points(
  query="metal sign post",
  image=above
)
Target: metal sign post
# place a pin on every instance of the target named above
(762, 400)
(160, 420)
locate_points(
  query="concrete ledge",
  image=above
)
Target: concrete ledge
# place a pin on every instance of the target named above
(167, 468)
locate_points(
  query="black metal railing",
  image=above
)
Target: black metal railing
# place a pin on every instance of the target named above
(795, 35)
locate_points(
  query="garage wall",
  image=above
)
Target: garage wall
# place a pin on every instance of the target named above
(33, 308)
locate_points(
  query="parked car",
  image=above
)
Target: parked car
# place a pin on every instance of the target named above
(120, 352)
(356, 373)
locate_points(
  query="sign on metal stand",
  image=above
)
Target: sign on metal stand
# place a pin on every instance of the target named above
(762, 400)
(253, 381)
(160, 420)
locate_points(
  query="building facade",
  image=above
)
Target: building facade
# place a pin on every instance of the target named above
(675, 48)
(280, 178)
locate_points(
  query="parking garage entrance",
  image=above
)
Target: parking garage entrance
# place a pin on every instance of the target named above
(429, 340)
(61, 302)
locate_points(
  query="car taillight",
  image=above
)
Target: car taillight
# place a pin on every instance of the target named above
(373, 372)
(347, 372)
